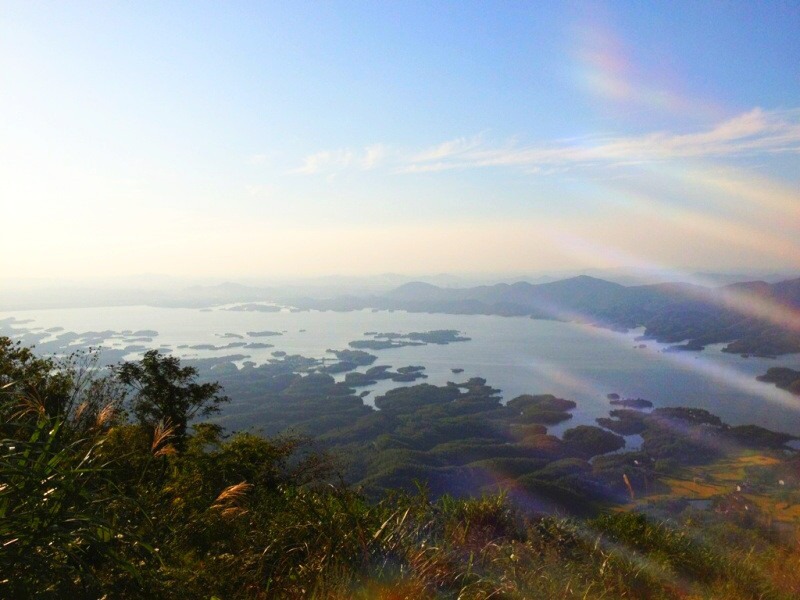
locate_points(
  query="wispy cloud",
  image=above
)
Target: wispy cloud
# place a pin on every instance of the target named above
(329, 161)
(449, 149)
(325, 160)
(754, 132)
(757, 132)
(372, 156)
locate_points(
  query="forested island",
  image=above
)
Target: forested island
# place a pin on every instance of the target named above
(450, 436)
(384, 341)
(783, 377)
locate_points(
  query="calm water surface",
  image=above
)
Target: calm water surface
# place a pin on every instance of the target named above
(515, 354)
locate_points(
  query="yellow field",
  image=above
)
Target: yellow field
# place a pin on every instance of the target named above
(721, 478)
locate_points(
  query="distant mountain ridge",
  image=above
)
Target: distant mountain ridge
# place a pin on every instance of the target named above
(595, 295)
(752, 317)
(688, 315)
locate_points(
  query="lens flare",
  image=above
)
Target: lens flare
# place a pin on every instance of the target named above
(604, 66)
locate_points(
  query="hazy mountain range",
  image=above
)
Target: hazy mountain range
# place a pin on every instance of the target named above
(752, 317)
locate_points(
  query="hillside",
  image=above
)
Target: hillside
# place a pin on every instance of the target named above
(95, 503)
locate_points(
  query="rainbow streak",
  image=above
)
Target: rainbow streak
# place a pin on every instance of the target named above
(604, 68)
(755, 194)
(564, 378)
(712, 226)
(743, 301)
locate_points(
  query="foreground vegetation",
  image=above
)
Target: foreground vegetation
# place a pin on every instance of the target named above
(109, 489)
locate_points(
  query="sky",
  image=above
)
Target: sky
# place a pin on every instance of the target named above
(303, 139)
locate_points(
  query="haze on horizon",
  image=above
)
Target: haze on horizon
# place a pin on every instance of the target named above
(298, 140)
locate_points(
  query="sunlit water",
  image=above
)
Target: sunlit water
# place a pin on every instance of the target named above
(516, 354)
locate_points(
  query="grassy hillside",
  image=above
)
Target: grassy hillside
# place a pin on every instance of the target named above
(102, 495)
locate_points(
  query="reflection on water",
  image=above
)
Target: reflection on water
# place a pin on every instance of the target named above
(516, 354)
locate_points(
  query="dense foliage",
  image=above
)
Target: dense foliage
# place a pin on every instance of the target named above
(461, 439)
(94, 504)
(165, 392)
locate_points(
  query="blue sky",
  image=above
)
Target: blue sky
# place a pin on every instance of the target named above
(250, 139)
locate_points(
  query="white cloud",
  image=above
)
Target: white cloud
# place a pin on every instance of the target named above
(756, 132)
(448, 149)
(314, 163)
(329, 161)
(373, 155)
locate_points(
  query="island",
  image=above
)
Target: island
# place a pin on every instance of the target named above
(783, 377)
(631, 402)
(384, 341)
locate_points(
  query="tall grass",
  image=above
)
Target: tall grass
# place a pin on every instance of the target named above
(59, 513)
(92, 506)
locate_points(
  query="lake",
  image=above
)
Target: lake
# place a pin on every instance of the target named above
(515, 354)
